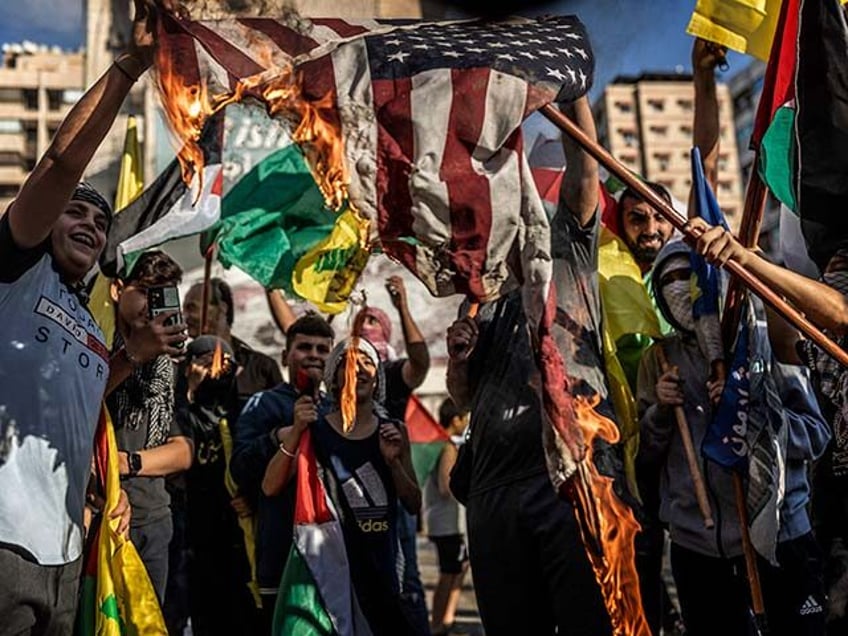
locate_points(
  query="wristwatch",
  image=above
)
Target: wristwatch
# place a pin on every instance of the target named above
(134, 463)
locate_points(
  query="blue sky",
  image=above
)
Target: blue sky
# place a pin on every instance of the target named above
(628, 36)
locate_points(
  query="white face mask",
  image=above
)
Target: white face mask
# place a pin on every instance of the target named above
(678, 296)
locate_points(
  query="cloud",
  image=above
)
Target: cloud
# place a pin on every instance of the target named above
(45, 21)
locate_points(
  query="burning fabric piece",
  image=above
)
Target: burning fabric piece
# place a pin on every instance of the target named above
(428, 126)
(417, 124)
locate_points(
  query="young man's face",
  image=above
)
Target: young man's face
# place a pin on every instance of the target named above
(132, 305)
(308, 353)
(645, 230)
(193, 310)
(77, 239)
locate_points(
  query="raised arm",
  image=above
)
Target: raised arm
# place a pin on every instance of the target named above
(461, 340)
(281, 310)
(705, 58)
(417, 364)
(46, 192)
(826, 307)
(580, 184)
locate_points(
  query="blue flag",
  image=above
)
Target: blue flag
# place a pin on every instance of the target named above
(726, 439)
(705, 292)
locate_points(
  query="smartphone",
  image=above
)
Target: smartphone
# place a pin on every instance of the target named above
(162, 299)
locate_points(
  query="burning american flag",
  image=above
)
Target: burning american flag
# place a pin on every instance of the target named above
(418, 127)
(418, 124)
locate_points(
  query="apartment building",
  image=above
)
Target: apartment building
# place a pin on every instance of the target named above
(646, 122)
(38, 85)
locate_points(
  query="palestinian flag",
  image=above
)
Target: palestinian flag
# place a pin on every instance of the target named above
(169, 208)
(427, 438)
(257, 200)
(801, 128)
(316, 596)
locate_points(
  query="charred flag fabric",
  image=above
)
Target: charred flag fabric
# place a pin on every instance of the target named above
(429, 115)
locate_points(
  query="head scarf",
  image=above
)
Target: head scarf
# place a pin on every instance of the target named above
(338, 357)
(87, 193)
(378, 335)
(674, 299)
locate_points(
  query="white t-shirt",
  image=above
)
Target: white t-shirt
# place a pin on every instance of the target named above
(53, 372)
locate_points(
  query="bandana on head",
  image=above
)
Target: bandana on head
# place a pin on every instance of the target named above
(85, 192)
(346, 395)
(378, 335)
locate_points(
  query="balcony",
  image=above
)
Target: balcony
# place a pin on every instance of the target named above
(12, 175)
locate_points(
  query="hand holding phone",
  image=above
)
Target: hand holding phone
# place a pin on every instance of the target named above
(162, 299)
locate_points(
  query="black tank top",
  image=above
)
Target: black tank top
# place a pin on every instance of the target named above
(360, 485)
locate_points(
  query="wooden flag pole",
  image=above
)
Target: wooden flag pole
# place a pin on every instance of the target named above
(689, 448)
(757, 603)
(749, 231)
(206, 298)
(653, 199)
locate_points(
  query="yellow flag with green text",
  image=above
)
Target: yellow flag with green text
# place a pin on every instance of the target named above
(746, 26)
(627, 310)
(130, 185)
(326, 274)
(116, 596)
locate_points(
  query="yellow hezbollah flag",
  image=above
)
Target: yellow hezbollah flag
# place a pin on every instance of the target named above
(117, 597)
(627, 305)
(130, 185)
(627, 310)
(746, 26)
(247, 524)
(326, 274)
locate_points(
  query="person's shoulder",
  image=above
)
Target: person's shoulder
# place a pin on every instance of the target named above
(565, 221)
(270, 401)
(394, 366)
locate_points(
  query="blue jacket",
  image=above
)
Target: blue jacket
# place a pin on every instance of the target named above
(808, 435)
(254, 445)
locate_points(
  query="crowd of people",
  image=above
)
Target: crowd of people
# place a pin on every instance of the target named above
(209, 431)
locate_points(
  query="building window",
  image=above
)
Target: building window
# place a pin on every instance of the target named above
(659, 130)
(663, 160)
(10, 95)
(623, 107)
(31, 99)
(657, 105)
(54, 100)
(685, 104)
(628, 136)
(686, 129)
(724, 186)
(722, 162)
(71, 96)
(10, 126)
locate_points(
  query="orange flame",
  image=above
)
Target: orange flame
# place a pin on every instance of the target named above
(217, 367)
(317, 129)
(187, 108)
(608, 528)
